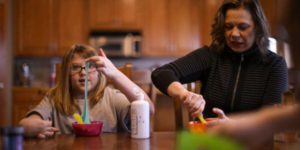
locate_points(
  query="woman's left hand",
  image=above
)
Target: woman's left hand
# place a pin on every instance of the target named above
(104, 65)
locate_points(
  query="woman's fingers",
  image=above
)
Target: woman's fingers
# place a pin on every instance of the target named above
(199, 111)
(195, 103)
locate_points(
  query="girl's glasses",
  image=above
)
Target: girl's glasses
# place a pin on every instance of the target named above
(78, 68)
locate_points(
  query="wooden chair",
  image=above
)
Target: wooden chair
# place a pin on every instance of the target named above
(178, 105)
(142, 77)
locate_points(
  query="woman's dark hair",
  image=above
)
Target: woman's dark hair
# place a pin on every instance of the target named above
(259, 19)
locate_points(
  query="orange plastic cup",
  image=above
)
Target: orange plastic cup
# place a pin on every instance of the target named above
(197, 127)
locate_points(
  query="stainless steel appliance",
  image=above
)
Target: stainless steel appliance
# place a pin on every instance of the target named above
(117, 44)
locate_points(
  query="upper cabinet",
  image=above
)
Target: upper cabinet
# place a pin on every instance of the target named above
(115, 14)
(171, 27)
(72, 27)
(34, 27)
(48, 27)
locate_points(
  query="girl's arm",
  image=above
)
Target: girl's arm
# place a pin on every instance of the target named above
(124, 84)
(34, 125)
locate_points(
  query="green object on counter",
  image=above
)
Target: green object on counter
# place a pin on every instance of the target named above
(85, 114)
(191, 141)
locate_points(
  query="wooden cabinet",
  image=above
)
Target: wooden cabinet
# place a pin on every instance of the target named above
(48, 27)
(274, 10)
(72, 24)
(34, 27)
(25, 99)
(171, 27)
(115, 14)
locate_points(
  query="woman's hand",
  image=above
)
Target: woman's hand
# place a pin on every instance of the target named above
(215, 121)
(194, 102)
(104, 65)
(35, 126)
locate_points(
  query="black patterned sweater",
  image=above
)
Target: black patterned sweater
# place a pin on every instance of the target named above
(231, 81)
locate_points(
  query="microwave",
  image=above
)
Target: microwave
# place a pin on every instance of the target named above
(117, 44)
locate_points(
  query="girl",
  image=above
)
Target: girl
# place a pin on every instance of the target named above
(111, 106)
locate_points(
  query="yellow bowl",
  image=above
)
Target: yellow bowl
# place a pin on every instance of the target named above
(197, 127)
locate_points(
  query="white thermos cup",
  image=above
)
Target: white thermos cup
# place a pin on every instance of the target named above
(140, 118)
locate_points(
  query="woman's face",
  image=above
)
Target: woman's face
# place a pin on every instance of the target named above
(78, 74)
(239, 29)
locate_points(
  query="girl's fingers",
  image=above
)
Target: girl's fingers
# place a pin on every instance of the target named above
(41, 136)
(101, 52)
(51, 129)
(49, 133)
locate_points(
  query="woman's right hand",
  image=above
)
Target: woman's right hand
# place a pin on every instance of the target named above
(194, 102)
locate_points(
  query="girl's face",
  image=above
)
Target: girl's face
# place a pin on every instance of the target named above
(239, 29)
(77, 76)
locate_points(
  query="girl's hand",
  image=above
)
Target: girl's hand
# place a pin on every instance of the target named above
(215, 121)
(46, 129)
(104, 65)
(194, 102)
(35, 126)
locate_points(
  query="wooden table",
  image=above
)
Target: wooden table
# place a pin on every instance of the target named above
(106, 141)
(121, 141)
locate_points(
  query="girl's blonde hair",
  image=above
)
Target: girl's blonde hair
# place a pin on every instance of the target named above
(61, 95)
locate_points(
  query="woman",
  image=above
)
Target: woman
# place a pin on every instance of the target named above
(237, 70)
(111, 106)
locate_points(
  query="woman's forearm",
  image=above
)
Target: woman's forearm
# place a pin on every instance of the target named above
(176, 90)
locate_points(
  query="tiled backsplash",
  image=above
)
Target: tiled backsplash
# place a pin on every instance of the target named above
(40, 69)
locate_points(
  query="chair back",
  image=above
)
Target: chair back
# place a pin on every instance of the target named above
(142, 77)
(126, 69)
(178, 106)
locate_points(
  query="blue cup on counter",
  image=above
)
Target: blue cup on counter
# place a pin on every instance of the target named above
(12, 138)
